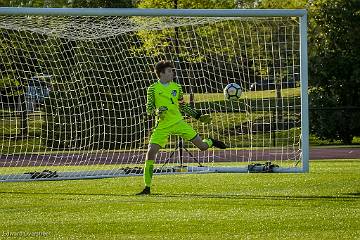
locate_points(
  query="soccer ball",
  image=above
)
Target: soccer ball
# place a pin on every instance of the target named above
(232, 91)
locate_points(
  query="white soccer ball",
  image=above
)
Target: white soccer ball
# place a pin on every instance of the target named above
(232, 92)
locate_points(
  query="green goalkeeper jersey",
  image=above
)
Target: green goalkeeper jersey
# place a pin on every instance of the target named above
(170, 97)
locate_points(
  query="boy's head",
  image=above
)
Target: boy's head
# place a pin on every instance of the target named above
(164, 69)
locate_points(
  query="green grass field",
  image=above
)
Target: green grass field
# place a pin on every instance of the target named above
(323, 204)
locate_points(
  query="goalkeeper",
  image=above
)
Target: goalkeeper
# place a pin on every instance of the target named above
(165, 101)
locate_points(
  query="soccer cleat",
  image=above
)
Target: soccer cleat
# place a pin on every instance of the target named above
(218, 144)
(146, 191)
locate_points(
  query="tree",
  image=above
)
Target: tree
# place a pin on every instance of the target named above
(33, 3)
(101, 3)
(283, 4)
(334, 69)
(67, 3)
(186, 4)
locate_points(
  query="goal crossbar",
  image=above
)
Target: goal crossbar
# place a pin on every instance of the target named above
(154, 12)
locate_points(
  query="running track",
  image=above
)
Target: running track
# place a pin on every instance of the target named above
(138, 157)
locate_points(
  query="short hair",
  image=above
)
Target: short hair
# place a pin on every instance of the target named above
(160, 67)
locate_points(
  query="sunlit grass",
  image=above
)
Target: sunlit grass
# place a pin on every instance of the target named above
(322, 204)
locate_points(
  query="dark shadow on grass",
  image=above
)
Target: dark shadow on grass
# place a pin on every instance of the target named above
(345, 197)
(356, 194)
(259, 197)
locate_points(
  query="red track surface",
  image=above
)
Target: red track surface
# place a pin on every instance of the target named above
(138, 157)
(335, 153)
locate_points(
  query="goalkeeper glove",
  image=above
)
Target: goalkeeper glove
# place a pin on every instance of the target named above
(160, 112)
(206, 118)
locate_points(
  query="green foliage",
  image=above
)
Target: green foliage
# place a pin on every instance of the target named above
(280, 4)
(67, 3)
(101, 3)
(183, 4)
(7, 82)
(329, 121)
(15, 54)
(335, 68)
(33, 3)
(177, 40)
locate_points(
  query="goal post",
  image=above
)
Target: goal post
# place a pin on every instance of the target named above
(73, 90)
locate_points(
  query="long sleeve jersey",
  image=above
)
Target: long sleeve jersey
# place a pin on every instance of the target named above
(171, 97)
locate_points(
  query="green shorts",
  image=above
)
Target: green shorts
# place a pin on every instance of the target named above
(181, 128)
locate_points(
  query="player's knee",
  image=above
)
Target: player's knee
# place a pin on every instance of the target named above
(152, 151)
(151, 155)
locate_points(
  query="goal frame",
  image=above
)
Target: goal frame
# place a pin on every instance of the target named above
(300, 13)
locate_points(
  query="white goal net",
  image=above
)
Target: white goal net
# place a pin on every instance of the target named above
(73, 92)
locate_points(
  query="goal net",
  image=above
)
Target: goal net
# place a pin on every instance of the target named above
(73, 90)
